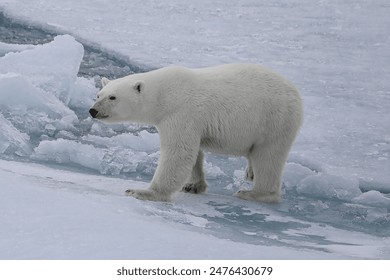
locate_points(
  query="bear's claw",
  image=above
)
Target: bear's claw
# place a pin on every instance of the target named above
(146, 195)
(198, 187)
(249, 175)
(273, 197)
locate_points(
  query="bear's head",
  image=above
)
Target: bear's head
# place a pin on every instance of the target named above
(120, 100)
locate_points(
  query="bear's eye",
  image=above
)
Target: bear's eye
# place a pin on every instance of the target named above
(112, 97)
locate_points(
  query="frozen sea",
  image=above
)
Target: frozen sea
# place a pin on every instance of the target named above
(63, 175)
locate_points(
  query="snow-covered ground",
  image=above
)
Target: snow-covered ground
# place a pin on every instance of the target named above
(55, 214)
(337, 179)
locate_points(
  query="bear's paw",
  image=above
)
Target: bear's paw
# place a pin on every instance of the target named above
(198, 187)
(146, 195)
(273, 197)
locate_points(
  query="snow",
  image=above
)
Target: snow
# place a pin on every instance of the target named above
(6, 48)
(12, 140)
(112, 161)
(76, 216)
(69, 215)
(52, 67)
(336, 183)
(294, 173)
(373, 198)
(328, 186)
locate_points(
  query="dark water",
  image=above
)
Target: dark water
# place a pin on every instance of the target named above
(95, 62)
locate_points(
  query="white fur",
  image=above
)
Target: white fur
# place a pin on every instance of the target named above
(236, 109)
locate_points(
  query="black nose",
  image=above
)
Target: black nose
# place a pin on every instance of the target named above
(93, 112)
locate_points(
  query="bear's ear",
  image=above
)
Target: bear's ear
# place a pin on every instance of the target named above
(105, 81)
(139, 86)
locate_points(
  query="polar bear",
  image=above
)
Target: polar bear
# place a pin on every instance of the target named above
(234, 109)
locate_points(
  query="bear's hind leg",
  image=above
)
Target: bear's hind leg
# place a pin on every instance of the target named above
(197, 183)
(249, 176)
(267, 163)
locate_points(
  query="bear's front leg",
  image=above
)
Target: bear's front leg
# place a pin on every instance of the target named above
(197, 183)
(177, 158)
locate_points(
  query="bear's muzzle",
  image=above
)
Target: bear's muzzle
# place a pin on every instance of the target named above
(93, 112)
